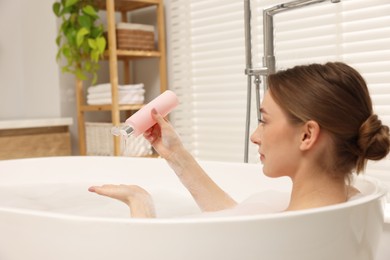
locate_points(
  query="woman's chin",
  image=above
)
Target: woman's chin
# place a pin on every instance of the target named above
(269, 174)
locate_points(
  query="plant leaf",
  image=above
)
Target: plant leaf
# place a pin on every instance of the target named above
(80, 74)
(58, 56)
(89, 10)
(96, 31)
(85, 21)
(80, 36)
(101, 44)
(71, 35)
(66, 51)
(92, 43)
(94, 79)
(64, 26)
(65, 69)
(88, 65)
(66, 10)
(58, 40)
(70, 2)
(56, 9)
(95, 55)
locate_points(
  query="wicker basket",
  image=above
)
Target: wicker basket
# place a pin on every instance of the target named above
(135, 37)
(100, 142)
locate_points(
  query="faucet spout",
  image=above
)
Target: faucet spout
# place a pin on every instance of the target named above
(294, 4)
(268, 27)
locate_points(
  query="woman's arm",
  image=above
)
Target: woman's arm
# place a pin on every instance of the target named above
(207, 194)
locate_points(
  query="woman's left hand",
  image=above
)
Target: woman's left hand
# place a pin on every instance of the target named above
(139, 200)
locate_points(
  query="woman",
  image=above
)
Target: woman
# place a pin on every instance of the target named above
(317, 127)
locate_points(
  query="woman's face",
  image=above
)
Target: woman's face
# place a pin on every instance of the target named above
(278, 140)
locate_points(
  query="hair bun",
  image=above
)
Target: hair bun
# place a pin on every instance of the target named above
(374, 140)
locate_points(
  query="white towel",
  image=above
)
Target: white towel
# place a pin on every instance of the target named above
(122, 101)
(100, 88)
(131, 99)
(101, 95)
(127, 94)
(106, 87)
(131, 87)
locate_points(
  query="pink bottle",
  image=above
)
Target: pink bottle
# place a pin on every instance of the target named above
(142, 120)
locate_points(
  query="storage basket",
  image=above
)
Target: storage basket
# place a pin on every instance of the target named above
(132, 36)
(100, 141)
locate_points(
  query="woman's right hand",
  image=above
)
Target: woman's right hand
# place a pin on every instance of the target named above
(163, 137)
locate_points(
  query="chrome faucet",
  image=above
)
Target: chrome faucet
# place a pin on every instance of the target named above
(269, 64)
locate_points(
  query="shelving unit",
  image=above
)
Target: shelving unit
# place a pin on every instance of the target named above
(113, 54)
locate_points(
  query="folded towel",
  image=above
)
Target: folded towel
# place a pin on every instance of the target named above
(122, 101)
(131, 87)
(100, 95)
(106, 87)
(127, 94)
(100, 88)
(131, 99)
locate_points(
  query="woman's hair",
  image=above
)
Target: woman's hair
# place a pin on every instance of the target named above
(337, 98)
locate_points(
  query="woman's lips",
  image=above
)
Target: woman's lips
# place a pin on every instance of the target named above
(261, 157)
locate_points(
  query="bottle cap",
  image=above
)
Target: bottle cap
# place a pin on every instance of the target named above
(125, 130)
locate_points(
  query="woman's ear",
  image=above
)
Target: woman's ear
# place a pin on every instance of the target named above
(310, 134)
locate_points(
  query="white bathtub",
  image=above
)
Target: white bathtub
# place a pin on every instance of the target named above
(380, 171)
(47, 213)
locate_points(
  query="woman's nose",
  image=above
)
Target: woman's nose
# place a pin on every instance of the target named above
(255, 137)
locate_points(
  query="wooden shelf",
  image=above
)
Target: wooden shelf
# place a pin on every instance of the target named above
(109, 107)
(112, 54)
(130, 54)
(127, 5)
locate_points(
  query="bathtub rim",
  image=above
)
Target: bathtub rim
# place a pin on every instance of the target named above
(188, 220)
(380, 191)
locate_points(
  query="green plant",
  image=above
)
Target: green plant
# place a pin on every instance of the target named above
(80, 39)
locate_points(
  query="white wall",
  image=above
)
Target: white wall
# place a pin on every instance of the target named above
(31, 84)
(29, 75)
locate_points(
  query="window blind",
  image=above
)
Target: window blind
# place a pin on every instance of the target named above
(180, 68)
(211, 116)
(207, 62)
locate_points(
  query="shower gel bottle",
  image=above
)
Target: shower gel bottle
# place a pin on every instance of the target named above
(142, 120)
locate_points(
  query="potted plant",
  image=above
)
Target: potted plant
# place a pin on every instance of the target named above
(80, 38)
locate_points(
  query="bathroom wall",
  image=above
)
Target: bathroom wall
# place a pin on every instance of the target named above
(29, 75)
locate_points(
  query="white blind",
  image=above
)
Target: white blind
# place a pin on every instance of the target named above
(207, 57)
(180, 68)
(211, 118)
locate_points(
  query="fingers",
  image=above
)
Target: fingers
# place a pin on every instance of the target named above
(116, 191)
(158, 117)
(152, 133)
(119, 192)
(132, 195)
(102, 190)
(92, 189)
